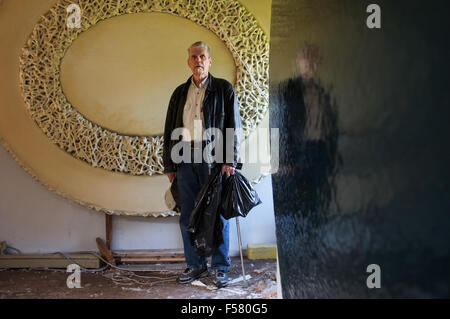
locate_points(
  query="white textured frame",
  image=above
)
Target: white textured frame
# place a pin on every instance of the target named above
(137, 155)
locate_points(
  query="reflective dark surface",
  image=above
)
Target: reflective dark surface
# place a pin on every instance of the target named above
(364, 162)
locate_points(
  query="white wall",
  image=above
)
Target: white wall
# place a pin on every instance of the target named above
(36, 220)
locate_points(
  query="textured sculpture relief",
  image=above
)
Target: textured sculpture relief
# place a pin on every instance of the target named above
(137, 155)
(142, 213)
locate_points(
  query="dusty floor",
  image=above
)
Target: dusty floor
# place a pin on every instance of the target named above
(118, 284)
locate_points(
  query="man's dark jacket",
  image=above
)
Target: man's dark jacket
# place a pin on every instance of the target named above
(220, 110)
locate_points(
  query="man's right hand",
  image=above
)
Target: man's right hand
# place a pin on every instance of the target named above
(171, 176)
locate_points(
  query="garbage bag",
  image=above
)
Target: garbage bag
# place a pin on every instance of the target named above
(174, 191)
(238, 196)
(172, 198)
(205, 225)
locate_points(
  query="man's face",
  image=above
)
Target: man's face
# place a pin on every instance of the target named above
(199, 61)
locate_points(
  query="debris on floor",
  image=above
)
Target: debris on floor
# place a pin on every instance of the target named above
(151, 284)
(233, 281)
(198, 283)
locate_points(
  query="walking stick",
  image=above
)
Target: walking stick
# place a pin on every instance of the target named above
(240, 250)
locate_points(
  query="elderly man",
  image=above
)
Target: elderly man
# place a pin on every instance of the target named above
(203, 104)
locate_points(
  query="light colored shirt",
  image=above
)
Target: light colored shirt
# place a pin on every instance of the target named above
(193, 114)
(312, 97)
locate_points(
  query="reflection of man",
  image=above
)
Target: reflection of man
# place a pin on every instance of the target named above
(307, 118)
(203, 102)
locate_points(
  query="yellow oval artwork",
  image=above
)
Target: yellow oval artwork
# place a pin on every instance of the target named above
(121, 73)
(122, 144)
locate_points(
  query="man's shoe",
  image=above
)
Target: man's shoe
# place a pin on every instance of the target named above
(221, 278)
(189, 275)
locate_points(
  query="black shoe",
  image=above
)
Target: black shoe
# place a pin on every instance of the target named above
(221, 278)
(189, 275)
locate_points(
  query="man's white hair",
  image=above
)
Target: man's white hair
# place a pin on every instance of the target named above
(200, 44)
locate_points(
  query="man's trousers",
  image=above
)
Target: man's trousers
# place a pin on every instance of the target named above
(190, 179)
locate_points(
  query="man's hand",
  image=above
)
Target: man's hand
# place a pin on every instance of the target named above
(227, 169)
(171, 176)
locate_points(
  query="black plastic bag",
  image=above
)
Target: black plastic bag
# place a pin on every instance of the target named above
(238, 196)
(205, 225)
(172, 198)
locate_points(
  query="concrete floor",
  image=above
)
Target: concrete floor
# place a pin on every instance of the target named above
(118, 284)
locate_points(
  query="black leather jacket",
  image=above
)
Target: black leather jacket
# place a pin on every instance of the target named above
(220, 110)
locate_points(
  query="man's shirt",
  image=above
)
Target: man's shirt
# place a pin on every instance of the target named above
(193, 110)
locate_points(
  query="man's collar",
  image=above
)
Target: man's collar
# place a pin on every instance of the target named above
(209, 87)
(202, 84)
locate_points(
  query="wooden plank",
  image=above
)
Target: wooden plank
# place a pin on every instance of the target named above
(154, 260)
(150, 256)
(153, 267)
(108, 226)
(148, 252)
(105, 252)
(261, 251)
(48, 256)
(47, 261)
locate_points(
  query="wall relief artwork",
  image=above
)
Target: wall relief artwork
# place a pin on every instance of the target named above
(71, 131)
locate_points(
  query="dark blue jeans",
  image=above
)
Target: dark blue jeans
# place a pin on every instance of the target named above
(190, 178)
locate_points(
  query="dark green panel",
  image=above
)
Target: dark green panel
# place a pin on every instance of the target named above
(364, 159)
